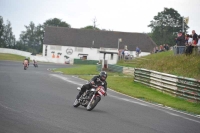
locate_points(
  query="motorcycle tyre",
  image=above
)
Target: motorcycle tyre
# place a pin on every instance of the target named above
(96, 100)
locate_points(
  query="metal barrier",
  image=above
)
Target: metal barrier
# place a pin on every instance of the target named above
(186, 88)
(117, 69)
(177, 49)
(86, 62)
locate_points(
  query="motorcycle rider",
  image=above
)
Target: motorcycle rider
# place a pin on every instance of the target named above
(34, 63)
(99, 80)
(26, 59)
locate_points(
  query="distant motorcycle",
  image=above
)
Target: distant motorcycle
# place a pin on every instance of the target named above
(25, 63)
(90, 98)
(35, 64)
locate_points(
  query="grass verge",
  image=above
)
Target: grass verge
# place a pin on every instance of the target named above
(167, 62)
(11, 57)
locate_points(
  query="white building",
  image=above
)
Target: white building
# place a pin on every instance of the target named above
(66, 44)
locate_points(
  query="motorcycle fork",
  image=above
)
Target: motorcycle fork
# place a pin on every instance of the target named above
(91, 99)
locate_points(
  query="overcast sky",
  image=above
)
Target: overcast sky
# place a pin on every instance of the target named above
(116, 15)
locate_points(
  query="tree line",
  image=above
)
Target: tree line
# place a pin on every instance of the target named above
(164, 27)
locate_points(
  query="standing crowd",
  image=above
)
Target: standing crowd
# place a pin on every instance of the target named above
(124, 54)
(161, 48)
(188, 44)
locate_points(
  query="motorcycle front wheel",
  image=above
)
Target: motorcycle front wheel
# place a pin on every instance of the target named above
(76, 103)
(93, 103)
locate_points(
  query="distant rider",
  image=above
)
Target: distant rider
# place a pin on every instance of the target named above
(34, 61)
(99, 80)
(26, 59)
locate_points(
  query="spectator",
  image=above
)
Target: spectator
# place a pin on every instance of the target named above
(122, 54)
(189, 45)
(186, 39)
(156, 50)
(167, 47)
(138, 51)
(194, 42)
(180, 43)
(164, 46)
(198, 43)
(161, 48)
(126, 54)
(194, 37)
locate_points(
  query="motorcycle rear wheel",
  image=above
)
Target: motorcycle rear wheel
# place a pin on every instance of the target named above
(93, 104)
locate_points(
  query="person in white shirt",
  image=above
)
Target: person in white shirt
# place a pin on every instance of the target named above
(126, 54)
(189, 46)
(190, 40)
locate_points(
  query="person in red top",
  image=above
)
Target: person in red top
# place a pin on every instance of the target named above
(194, 37)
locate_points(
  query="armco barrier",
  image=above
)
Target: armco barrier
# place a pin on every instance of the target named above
(86, 62)
(186, 88)
(115, 68)
(112, 68)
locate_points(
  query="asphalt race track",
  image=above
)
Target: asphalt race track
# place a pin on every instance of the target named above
(40, 101)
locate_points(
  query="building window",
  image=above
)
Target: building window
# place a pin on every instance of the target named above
(45, 50)
(83, 57)
(53, 47)
(77, 49)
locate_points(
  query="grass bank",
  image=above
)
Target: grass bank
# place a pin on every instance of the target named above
(167, 62)
(11, 57)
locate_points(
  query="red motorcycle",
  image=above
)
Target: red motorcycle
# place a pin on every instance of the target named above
(90, 98)
(25, 63)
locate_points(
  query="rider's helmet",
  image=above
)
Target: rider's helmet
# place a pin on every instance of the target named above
(103, 75)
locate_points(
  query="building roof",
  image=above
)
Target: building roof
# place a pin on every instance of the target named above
(97, 38)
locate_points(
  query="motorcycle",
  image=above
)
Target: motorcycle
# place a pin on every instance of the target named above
(25, 64)
(90, 98)
(35, 64)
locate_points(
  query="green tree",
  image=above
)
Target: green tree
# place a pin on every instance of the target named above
(39, 37)
(90, 27)
(8, 36)
(29, 39)
(2, 43)
(166, 25)
(32, 38)
(56, 22)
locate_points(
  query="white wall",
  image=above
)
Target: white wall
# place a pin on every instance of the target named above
(93, 54)
(23, 53)
(15, 51)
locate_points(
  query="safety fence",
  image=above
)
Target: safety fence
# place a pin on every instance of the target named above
(111, 68)
(185, 49)
(86, 62)
(186, 88)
